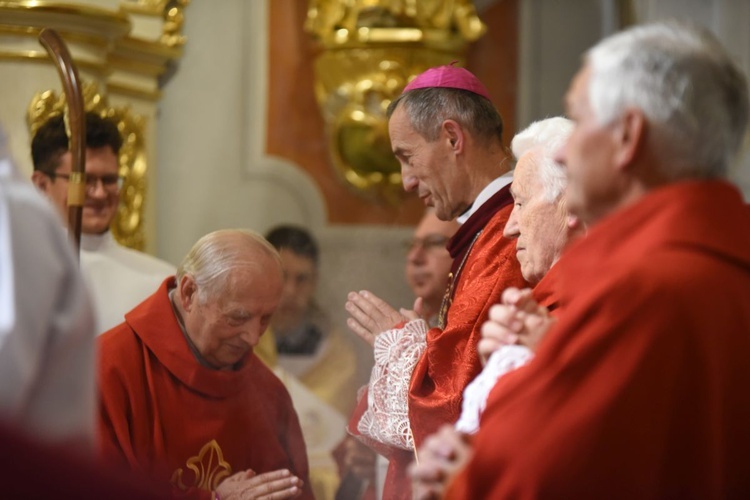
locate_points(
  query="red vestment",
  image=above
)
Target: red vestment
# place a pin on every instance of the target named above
(163, 413)
(451, 360)
(547, 291)
(641, 389)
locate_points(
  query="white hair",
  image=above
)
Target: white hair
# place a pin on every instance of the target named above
(543, 138)
(694, 96)
(211, 259)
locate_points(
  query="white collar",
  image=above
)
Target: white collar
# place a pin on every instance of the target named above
(97, 242)
(485, 194)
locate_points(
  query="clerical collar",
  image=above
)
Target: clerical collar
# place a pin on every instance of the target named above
(485, 194)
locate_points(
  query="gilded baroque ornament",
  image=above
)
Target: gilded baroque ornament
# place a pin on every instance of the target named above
(127, 227)
(171, 12)
(369, 50)
(209, 469)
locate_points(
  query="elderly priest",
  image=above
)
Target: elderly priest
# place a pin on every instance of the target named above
(183, 397)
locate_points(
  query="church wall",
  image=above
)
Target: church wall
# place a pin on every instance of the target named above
(553, 35)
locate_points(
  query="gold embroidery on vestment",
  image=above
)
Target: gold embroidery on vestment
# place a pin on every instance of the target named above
(209, 468)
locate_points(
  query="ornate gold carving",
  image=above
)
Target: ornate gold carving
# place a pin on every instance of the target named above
(370, 50)
(209, 469)
(127, 227)
(171, 12)
(343, 21)
(174, 18)
(145, 6)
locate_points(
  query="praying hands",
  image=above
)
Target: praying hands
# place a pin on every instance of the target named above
(517, 320)
(440, 458)
(247, 485)
(370, 315)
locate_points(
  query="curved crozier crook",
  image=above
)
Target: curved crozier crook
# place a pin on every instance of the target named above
(75, 125)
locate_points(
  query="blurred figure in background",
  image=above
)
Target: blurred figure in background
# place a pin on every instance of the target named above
(428, 263)
(119, 277)
(316, 362)
(46, 320)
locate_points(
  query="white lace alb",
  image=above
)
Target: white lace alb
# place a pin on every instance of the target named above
(397, 352)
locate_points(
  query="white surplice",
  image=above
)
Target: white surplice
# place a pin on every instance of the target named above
(119, 278)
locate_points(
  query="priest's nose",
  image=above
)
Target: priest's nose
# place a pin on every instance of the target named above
(252, 332)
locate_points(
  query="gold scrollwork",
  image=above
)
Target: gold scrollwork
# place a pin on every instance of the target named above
(209, 469)
(174, 19)
(127, 227)
(172, 14)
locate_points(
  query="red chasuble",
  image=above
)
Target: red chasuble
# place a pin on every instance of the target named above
(451, 360)
(164, 414)
(547, 291)
(642, 390)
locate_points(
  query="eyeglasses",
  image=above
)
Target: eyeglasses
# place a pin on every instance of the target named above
(109, 181)
(431, 241)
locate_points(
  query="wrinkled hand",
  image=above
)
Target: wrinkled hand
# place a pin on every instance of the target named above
(442, 456)
(369, 315)
(518, 319)
(247, 485)
(359, 459)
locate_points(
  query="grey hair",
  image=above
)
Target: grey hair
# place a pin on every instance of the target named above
(211, 260)
(428, 108)
(694, 96)
(542, 139)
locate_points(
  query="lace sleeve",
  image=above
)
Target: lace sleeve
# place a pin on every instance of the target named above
(396, 354)
(502, 361)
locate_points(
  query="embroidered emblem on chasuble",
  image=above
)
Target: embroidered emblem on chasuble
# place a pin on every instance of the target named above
(209, 469)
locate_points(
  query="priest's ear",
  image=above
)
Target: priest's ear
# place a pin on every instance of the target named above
(453, 134)
(629, 133)
(40, 180)
(188, 292)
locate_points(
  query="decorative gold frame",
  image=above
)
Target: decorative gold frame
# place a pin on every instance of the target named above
(127, 227)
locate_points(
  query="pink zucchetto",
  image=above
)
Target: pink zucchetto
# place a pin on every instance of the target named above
(451, 77)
